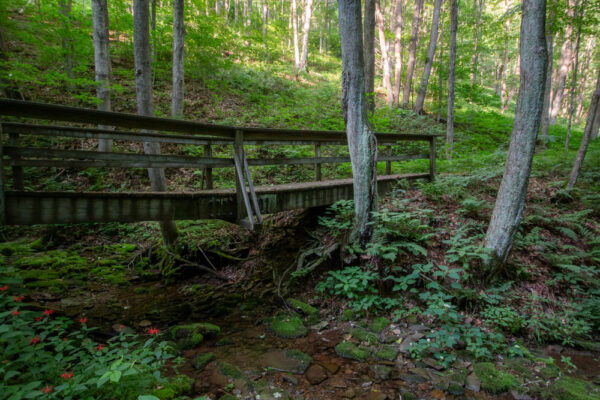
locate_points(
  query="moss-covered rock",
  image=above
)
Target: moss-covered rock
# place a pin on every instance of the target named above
(378, 324)
(201, 360)
(494, 380)
(311, 312)
(303, 360)
(228, 397)
(352, 351)
(165, 393)
(229, 370)
(286, 326)
(520, 365)
(181, 385)
(380, 372)
(348, 315)
(388, 353)
(191, 336)
(568, 388)
(550, 371)
(364, 335)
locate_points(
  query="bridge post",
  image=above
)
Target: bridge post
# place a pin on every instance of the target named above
(432, 158)
(207, 176)
(17, 171)
(388, 164)
(318, 171)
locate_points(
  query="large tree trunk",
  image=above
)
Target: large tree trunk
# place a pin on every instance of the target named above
(412, 50)
(295, 33)
(545, 124)
(361, 140)
(178, 58)
(510, 201)
(397, 50)
(564, 65)
(451, 76)
(145, 103)
(102, 62)
(578, 13)
(67, 43)
(477, 11)
(430, 55)
(306, 17)
(385, 60)
(369, 53)
(587, 133)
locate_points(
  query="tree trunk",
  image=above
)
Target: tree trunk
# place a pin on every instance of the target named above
(578, 14)
(361, 140)
(545, 124)
(588, 54)
(306, 17)
(451, 76)
(440, 73)
(102, 62)
(430, 55)
(397, 50)
(369, 53)
(265, 27)
(510, 201)
(414, 36)
(387, 79)
(513, 83)
(145, 103)
(596, 123)
(67, 43)
(295, 31)
(477, 11)
(564, 64)
(178, 58)
(504, 71)
(587, 133)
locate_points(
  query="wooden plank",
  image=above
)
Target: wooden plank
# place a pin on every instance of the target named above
(259, 218)
(432, 159)
(242, 201)
(318, 171)
(327, 160)
(388, 163)
(113, 160)
(2, 180)
(207, 172)
(17, 170)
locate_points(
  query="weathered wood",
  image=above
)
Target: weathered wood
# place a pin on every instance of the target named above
(318, 171)
(207, 175)
(432, 159)
(259, 218)
(29, 208)
(2, 198)
(242, 201)
(388, 163)
(17, 170)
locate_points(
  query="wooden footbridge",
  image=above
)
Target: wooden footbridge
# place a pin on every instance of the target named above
(245, 204)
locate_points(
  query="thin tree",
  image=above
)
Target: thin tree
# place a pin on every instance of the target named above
(504, 70)
(510, 201)
(362, 143)
(295, 34)
(451, 76)
(67, 44)
(550, 28)
(369, 53)
(178, 58)
(587, 134)
(564, 65)
(102, 62)
(145, 103)
(385, 60)
(265, 25)
(412, 50)
(578, 19)
(306, 17)
(439, 68)
(477, 11)
(433, 37)
(397, 50)
(596, 124)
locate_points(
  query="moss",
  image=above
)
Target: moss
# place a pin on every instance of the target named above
(550, 372)
(15, 249)
(165, 393)
(388, 353)
(207, 329)
(228, 397)
(520, 365)
(351, 351)
(181, 385)
(379, 324)
(191, 335)
(568, 388)
(493, 380)
(348, 315)
(287, 327)
(364, 336)
(201, 360)
(304, 360)
(311, 312)
(230, 371)
(409, 396)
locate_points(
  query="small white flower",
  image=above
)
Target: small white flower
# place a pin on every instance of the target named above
(429, 340)
(277, 395)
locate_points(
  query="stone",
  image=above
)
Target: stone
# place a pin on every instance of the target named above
(378, 324)
(316, 374)
(333, 368)
(418, 328)
(336, 382)
(375, 395)
(380, 372)
(291, 360)
(437, 394)
(493, 380)
(364, 335)
(201, 360)
(286, 326)
(408, 341)
(145, 323)
(291, 379)
(304, 308)
(412, 378)
(349, 393)
(388, 353)
(190, 336)
(473, 383)
(319, 326)
(351, 351)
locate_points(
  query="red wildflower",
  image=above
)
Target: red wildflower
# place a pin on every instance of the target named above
(153, 331)
(121, 327)
(34, 340)
(67, 375)
(3, 288)
(83, 320)
(18, 299)
(47, 389)
(15, 313)
(99, 347)
(48, 312)
(37, 319)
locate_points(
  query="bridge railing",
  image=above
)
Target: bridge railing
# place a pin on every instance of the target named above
(171, 131)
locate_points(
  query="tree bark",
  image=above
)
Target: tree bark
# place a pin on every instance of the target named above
(504, 71)
(564, 65)
(414, 36)
(295, 32)
(451, 76)
(430, 55)
(265, 27)
(67, 44)
(385, 60)
(440, 73)
(369, 53)
(306, 17)
(513, 83)
(102, 62)
(587, 58)
(477, 11)
(397, 50)
(510, 201)
(587, 133)
(545, 124)
(596, 124)
(178, 59)
(145, 102)
(578, 15)
(361, 140)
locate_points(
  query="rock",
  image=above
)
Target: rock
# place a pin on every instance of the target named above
(418, 328)
(336, 382)
(316, 374)
(379, 324)
(430, 362)
(409, 340)
(190, 336)
(287, 327)
(424, 372)
(437, 394)
(412, 378)
(292, 360)
(351, 351)
(375, 395)
(291, 379)
(304, 308)
(201, 360)
(364, 335)
(408, 396)
(381, 372)
(229, 371)
(333, 368)
(320, 326)
(493, 380)
(388, 353)
(518, 396)
(223, 342)
(473, 383)
(145, 323)
(349, 393)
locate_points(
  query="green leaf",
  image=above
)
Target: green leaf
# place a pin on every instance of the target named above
(147, 397)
